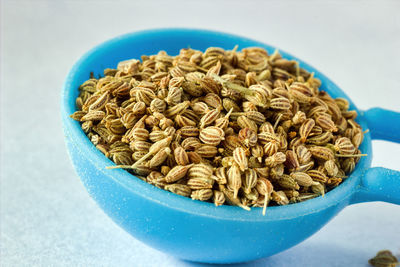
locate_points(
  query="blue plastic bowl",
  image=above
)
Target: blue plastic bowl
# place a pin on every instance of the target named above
(199, 231)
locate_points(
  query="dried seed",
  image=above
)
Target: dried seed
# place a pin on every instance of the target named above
(239, 155)
(250, 180)
(245, 122)
(248, 137)
(220, 175)
(303, 155)
(200, 171)
(275, 159)
(303, 179)
(207, 151)
(234, 179)
(209, 117)
(280, 103)
(288, 182)
(179, 189)
(344, 146)
(331, 167)
(181, 156)
(159, 157)
(280, 198)
(219, 198)
(177, 173)
(95, 115)
(325, 121)
(189, 131)
(200, 183)
(212, 135)
(317, 176)
(306, 128)
(202, 194)
(321, 153)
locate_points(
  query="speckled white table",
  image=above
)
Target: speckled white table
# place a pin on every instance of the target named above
(46, 216)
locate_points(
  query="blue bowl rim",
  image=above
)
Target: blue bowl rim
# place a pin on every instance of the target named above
(75, 136)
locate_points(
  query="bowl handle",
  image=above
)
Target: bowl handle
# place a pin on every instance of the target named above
(380, 184)
(383, 124)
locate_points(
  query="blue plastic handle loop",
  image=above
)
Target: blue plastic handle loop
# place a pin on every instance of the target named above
(381, 184)
(384, 124)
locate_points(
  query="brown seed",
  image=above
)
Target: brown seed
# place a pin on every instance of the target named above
(280, 198)
(230, 143)
(200, 108)
(265, 137)
(344, 146)
(271, 148)
(267, 127)
(213, 100)
(248, 137)
(331, 167)
(300, 92)
(318, 189)
(77, 115)
(219, 198)
(181, 156)
(100, 103)
(306, 128)
(303, 179)
(255, 116)
(320, 139)
(229, 104)
(245, 122)
(181, 121)
(209, 117)
(250, 180)
(321, 153)
(179, 189)
(303, 155)
(191, 143)
(223, 122)
(200, 183)
(202, 194)
(234, 179)
(292, 162)
(159, 157)
(158, 105)
(280, 103)
(177, 173)
(140, 134)
(189, 131)
(288, 182)
(177, 109)
(200, 171)
(348, 165)
(194, 157)
(220, 175)
(299, 117)
(209, 85)
(95, 115)
(239, 155)
(317, 176)
(207, 151)
(275, 159)
(212, 135)
(258, 152)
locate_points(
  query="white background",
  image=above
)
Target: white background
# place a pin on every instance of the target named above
(48, 219)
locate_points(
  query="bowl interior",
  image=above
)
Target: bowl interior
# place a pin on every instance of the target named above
(133, 45)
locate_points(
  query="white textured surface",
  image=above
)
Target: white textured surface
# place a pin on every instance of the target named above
(46, 216)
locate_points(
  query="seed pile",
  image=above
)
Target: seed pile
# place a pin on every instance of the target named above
(234, 127)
